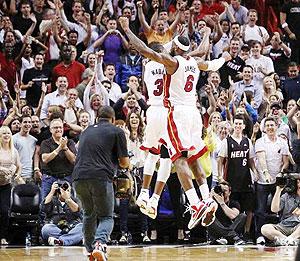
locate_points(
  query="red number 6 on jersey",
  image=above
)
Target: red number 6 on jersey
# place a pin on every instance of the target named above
(189, 83)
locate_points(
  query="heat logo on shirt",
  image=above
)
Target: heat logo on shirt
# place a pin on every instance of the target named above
(239, 154)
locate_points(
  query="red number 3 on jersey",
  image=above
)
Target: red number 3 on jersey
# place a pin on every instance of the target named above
(189, 83)
(159, 85)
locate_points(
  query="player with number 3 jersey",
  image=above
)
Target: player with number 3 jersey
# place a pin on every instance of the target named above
(184, 120)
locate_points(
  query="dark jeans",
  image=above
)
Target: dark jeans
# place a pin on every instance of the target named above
(124, 206)
(5, 192)
(97, 199)
(217, 229)
(262, 194)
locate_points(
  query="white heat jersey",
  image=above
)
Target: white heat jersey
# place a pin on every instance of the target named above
(153, 78)
(180, 87)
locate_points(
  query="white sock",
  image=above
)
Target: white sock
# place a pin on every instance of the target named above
(204, 191)
(192, 196)
(155, 198)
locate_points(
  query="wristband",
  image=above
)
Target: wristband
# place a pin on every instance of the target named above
(284, 25)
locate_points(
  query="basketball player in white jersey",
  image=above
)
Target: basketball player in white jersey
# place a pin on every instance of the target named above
(156, 125)
(184, 122)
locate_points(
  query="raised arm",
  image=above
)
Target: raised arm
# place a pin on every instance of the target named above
(165, 59)
(100, 41)
(203, 47)
(227, 13)
(285, 26)
(31, 28)
(145, 26)
(88, 36)
(154, 16)
(177, 19)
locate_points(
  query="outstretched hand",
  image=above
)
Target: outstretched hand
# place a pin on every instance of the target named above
(124, 22)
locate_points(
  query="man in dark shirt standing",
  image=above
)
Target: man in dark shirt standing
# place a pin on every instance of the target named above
(102, 148)
(233, 67)
(33, 79)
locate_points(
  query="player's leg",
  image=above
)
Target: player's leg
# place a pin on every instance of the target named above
(196, 207)
(149, 167)
(163, 174)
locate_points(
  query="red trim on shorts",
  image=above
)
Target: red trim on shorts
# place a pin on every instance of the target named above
(174, 138)
(166, 86)
(162, 141)
(154, 150)
(173, 132)
(176, 156)
(198, 155)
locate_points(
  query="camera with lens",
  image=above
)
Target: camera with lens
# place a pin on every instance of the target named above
(218, 190)
(64, 186)
(123, 184)
(64, 226)
(288, 181)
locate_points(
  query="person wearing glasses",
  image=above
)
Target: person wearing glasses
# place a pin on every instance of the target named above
(58, 157)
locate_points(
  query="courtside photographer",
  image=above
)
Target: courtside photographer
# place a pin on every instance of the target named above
(229, 222)
(286, 201)
(63, 216)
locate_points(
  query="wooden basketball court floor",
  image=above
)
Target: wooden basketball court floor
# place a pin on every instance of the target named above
(152, 253)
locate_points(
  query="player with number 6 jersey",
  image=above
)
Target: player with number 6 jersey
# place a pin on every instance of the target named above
(183, 119)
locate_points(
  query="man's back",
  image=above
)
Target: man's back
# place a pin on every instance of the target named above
(100, 147)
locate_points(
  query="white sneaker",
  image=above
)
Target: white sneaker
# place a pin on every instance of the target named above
(222, 241)
(151, 208)
(99, 253)
(279, 241)
(291, 241)
(197, 213)
(145, 238)
(3, 241)
(260, 240)
(142, 201)
(52, 241)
